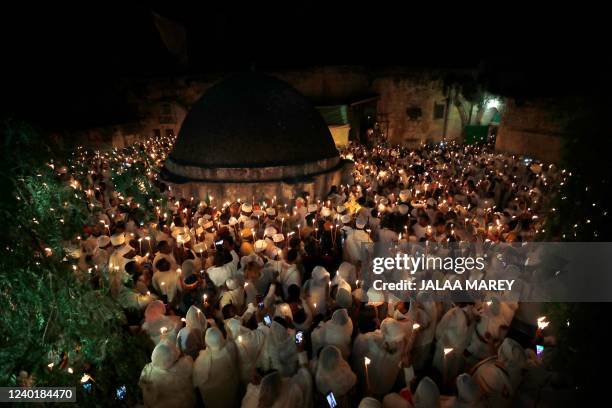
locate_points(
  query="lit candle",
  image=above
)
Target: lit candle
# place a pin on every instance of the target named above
(366, 362)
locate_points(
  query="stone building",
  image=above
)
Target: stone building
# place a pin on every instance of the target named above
(408, 107)
(253, 136)
(532, 128)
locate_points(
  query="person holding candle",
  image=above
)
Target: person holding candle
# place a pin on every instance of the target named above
(190, 339)
(333, 374)
(248, 344)
(156, 319)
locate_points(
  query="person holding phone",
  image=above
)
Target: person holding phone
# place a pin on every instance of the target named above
(334, 378)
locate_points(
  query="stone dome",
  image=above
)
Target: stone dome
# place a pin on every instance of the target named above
(252, 120)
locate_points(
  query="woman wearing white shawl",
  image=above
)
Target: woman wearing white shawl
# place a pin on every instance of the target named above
(190, 339)
(468, 394)
(167, 380)
(453, 331)
(276, 391)
(215, 373)
(318, 289)
(280, 352)
(427, 394)
(158, 325)
(334, 374)
(248, 344)
(385, 353)
(424, 312)
(335, 332)
(490, 330)
(347, 272)
(500, 376)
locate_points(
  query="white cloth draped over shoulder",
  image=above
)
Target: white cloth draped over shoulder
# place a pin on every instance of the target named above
(167, 380)
(215, 373)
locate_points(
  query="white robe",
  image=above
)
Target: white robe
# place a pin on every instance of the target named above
(168, 388)
(216, 376)
(295, 392)
(354, 246)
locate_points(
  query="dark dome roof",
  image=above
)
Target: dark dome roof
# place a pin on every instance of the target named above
(252, 120)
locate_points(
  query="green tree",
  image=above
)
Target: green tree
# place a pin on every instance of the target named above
(52, 318)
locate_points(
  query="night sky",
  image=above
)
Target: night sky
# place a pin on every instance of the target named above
(70, 66)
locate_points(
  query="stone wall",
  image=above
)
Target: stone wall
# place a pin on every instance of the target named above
(398, 95)
(316, 186)
(397, 90)
(532, 128)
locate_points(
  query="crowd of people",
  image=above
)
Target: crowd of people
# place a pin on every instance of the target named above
(263, 302)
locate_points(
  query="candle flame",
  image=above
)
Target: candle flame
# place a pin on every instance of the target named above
(542, 323)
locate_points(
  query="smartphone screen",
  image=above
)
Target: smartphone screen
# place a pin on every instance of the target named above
(261, 305)
(268, 320)
(299, 337)
(331, 400)
(539, 350)
(121, 392)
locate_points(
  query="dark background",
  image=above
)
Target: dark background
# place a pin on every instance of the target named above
(70, 65)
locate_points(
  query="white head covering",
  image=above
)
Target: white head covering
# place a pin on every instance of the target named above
(325, 212)
(231, 284)
(214, 339)
(369, 402)
(260, 245)
(269, 231)
(346, 270)
(319, 273)
(427, 394)
(190, 338)
(392, 330)
(333, 373)
(344, 298)
(250, 258)
(164, 355)
(117, 239)
(467, 390)
(195, 318)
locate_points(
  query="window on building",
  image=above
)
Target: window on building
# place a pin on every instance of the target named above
(156, 133)
(169, 132)
(438, 111)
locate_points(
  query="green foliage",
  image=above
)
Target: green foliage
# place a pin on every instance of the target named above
(51, 313)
